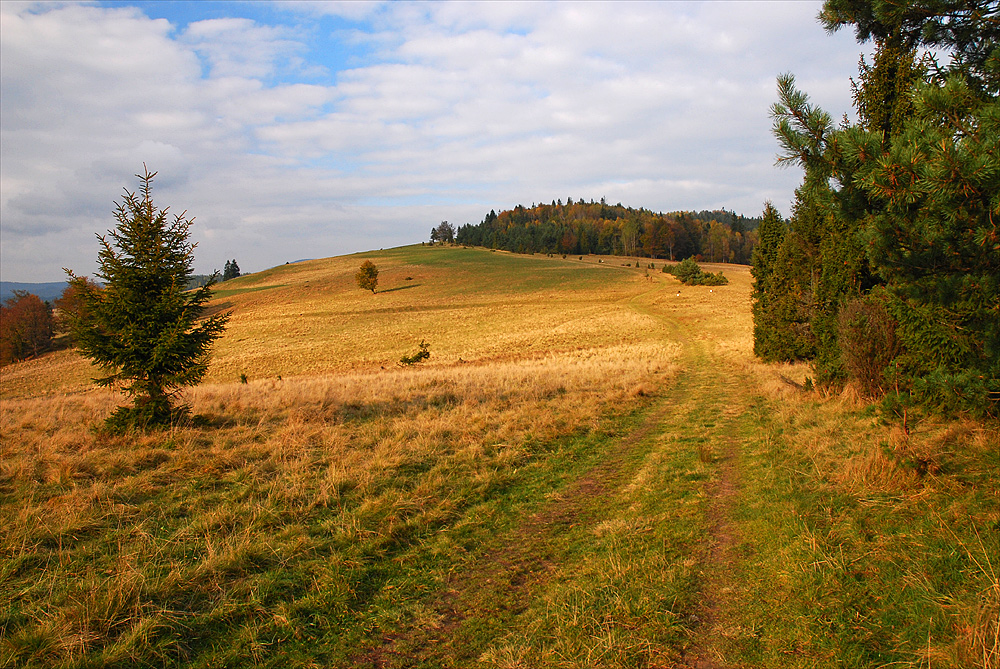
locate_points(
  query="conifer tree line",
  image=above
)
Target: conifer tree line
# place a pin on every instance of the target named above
(231, 270)
(578, 228)
(887, 274)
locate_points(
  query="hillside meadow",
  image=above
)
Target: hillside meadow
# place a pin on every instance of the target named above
(591, 470)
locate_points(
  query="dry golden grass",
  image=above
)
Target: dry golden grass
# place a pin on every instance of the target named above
(130, 526)
(311, 319)
(330, 444)
(332, 460)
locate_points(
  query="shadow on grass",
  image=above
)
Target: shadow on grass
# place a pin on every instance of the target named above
(229, 292)
(393, 290)
(213, 309)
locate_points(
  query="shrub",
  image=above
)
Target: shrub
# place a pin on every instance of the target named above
(690, 274)
(422, 354)
(687, 271)
(709, 279)
(866, 334)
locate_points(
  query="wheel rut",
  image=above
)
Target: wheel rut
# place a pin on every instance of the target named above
(518, 567)
(523, 563)
(712, 391)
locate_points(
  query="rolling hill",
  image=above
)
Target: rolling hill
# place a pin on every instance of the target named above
(590, 470)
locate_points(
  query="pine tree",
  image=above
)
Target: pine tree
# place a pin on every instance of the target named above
(143, 329)
(907, 198)
(935, 242)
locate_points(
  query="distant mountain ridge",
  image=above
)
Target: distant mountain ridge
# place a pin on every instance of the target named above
(49, 292)
(46, 291)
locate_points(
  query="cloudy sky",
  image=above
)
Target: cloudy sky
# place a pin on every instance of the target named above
(297, 130)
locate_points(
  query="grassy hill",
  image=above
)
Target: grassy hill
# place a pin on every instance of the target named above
(590, 470)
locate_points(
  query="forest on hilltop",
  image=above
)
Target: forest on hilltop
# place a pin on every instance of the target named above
(577, 228)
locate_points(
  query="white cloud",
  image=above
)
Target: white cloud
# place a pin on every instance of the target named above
(446, 111)
(241, 48)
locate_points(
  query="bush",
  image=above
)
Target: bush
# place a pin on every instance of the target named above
(866, 334)
(689, 273)
(419, 356)
(709, 279)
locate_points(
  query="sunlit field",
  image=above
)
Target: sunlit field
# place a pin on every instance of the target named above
(590, 470)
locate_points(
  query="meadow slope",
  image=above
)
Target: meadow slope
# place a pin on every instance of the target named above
(591, 470)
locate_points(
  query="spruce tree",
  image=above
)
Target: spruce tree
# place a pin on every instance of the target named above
(771, 236)
(231, 270)
(144, 330)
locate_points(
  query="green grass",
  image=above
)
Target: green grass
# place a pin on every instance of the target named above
(839, 574)
(590, 470)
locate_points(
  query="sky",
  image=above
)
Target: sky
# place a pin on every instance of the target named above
(293, 130)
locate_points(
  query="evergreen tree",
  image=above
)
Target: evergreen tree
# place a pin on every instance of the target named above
(966, 29)
(828, 220)
(765, 298)
(925, 160)
(907, 198)
(231, 270)
(935, 243)
(144, 330)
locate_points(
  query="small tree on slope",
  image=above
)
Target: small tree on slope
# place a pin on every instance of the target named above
(144, 330)
(367, 276)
